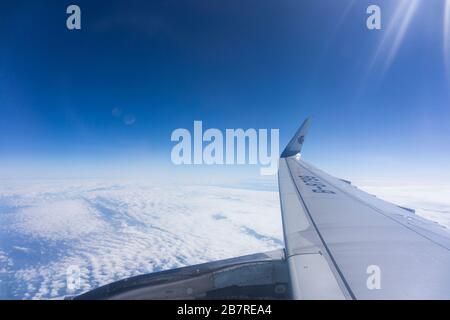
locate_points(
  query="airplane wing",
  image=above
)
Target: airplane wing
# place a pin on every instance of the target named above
(340, 243)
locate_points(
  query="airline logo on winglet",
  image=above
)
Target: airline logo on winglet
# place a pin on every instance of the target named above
(295, 145)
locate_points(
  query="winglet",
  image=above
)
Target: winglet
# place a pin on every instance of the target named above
(295, 145)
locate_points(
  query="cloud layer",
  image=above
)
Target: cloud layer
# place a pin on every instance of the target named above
(112, 231)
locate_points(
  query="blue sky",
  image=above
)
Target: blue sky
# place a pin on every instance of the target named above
(379, 99)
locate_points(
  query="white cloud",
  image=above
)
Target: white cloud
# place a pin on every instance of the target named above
(116, 230)
(112, 231)
(58, 220)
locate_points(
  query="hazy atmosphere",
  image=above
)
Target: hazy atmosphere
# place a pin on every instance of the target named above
(86, 117)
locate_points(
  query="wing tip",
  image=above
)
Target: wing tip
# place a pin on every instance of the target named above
(294, 146)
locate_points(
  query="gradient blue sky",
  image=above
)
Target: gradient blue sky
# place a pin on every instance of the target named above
(379, 99)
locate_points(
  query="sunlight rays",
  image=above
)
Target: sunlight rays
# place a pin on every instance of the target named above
(404, 22)
(394, 33)
(446, 36)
